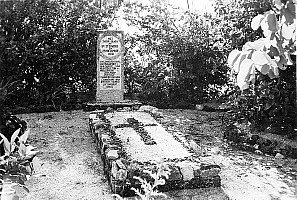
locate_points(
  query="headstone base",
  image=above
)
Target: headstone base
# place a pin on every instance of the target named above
(110, 95)
(91, 106)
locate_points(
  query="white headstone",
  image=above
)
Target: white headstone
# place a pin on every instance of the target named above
(110, 70)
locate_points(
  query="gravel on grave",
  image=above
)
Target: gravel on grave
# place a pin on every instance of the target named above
(166, 146)
(73, 170)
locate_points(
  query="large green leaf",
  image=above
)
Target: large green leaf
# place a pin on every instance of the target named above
(287, 31)
(272, 22)
(259, 58)
(271, 61)
(265, 27)
(233, 56)
(25, 136)
(242, 57)
(255, 45)
(291, 6)
(264, 69)
(6, 144)
(271, 73)
(256, 22)
(274, 67)
(273, 51)
(290, 12)
(15, 135)
(22, 149)
(244, 74)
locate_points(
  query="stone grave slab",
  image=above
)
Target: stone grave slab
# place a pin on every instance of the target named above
(131, 142)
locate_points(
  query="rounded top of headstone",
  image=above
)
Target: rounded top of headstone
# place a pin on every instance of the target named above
(110, 45)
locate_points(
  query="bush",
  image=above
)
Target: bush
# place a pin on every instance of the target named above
(265, 70)
(175, 57)
(49, 46)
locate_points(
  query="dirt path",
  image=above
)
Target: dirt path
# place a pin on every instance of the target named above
(70, 162)
(73, 169)
(245, 175)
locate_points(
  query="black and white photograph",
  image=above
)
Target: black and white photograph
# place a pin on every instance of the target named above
(148, 100)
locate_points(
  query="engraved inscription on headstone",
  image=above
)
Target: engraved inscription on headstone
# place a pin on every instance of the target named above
(110, 87)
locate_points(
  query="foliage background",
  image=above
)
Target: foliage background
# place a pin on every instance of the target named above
(177, 58)
(50, 47)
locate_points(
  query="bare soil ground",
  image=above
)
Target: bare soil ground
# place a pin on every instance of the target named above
(72, 169)
(245, 175)
(70, 161)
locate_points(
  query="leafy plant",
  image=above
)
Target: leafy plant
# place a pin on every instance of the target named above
(18, 147)
(174, 58)
(19, 161)
(261, 67)
(269, 54)
(149, 189)
(49, 43)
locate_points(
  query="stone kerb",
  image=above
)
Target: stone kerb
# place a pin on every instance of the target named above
(110, 131)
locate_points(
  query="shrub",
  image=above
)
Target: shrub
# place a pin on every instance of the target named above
(265, 69)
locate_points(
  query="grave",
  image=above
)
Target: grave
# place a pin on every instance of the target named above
(110, 72)
(130, 139)
(133, 141)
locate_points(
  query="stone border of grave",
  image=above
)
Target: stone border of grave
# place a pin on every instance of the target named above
(258, 143)
(185, 173)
